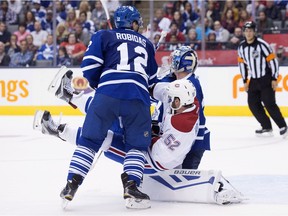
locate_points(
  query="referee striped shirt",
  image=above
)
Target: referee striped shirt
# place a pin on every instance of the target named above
(257, 59)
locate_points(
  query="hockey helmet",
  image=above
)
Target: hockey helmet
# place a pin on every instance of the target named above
(182, 89)
(249, 24)
(124, 17)
(183, 59)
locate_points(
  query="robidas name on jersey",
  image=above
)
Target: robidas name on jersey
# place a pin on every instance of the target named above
(131, 37)
(186, 172)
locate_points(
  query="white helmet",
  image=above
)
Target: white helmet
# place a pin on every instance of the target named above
(182, 89)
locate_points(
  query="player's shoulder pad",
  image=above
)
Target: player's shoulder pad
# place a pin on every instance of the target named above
(184, 122)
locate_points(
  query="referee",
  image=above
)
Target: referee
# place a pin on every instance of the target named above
(256, 58)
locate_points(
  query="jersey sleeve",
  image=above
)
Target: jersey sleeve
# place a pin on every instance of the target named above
(242, 65)
(93, 60)
(152, 66)
(271, 59)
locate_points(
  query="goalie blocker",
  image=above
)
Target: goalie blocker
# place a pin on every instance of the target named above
(185, 185)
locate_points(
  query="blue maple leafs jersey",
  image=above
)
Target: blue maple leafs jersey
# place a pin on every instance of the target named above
(120, 63)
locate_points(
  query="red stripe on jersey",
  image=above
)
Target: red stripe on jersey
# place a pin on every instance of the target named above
(116, 151)
(184, 122)
(158, 164)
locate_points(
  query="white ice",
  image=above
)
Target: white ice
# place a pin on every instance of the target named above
(33, 169)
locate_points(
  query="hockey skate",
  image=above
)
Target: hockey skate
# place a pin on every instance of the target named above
(134, 199)
(43, 121)
(264, 132)
(68, 192)
(284, 132)
(61, 85)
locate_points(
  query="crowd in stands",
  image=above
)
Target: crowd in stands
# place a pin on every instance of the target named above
(32, 42)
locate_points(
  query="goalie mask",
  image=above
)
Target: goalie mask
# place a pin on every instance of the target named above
(184, 59)
(182, 90)
(124, 17)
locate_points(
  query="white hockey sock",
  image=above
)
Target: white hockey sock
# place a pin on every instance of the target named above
(81, 100)
(69, 134)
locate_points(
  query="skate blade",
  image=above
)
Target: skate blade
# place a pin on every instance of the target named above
(37, 120)
(64, 203)
(55, 83)
(285, 136)
(269, 134)
(132, 203)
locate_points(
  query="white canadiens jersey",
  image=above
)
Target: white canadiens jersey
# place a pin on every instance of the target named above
(179, 133)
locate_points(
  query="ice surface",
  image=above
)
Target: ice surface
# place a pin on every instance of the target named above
(33, 171)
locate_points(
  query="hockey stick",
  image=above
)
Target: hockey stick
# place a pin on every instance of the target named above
(96, 160)
(103, 2)
(163, 35)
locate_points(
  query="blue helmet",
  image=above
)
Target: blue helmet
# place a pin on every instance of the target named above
(184, 59)
(124, 16)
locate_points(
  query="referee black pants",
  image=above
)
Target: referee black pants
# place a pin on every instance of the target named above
(260, 95)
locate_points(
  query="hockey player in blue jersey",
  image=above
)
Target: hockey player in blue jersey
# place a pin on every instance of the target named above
(120, 64)
(184, 62)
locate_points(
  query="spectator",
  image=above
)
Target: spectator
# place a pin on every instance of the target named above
(47, 22)
(61, 14)
(21, 33)
(282, 58)
(264, 22)
(179, 5)
(82, 35)
(84, 7)
(212, 13)
(30, 44)
(29, 21)
(163, 22)
(169, 11)
(7, 15)
(207, 29)
(46, 51)
(155, 28)
(98, 15)
(22, 58)
(258, 7)
(229, 4)
(192, 41)
(15, 5)
(63, 57)
(229, 23)
(38, 11)
(174, 30)
(71, 20)
(13, 47)
(4, 58)
(173, 43)
(156, 40)
(61, 33)
(189, 17)
(74, 49)
(87, 24)
(39, 35)
(222, 34)
(272, 11)
(177, 18)
(244, 17)
(112, 5)
(235, 38)
(211, 43)
(4, 34)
